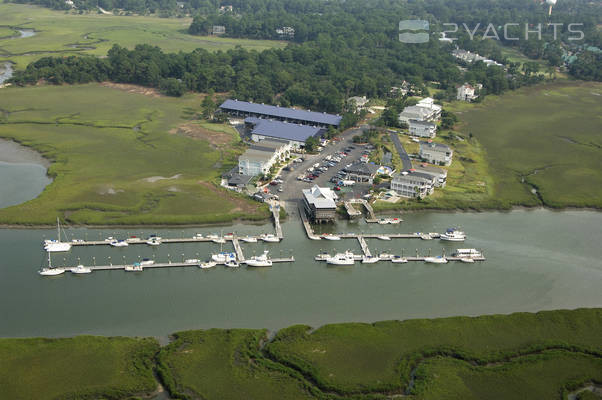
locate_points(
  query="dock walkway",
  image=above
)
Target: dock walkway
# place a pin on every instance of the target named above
(364, 246)
(351, 211)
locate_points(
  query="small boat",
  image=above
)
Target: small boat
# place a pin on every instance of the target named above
(436, 260)
(154, 241)
(249, 239)
(198, 236)
(192, 261)
(259, 261)
(208, 264)
(331, 237)
(467, 253)
(385, 256)
(232, 264)
(136, 267)
(50, 271)
(229, 236)
(147, 261)
(467, 260)
(78, 241)
(453, 235)
(395, 220)
(384, 237)
(119, 243)
(268, 237)
(223, 257)
(80, 269)
(399, 260)
(383, 221)
(110, 239)
(346, 258)
(370, 259)
(212, 236)
(219, 240)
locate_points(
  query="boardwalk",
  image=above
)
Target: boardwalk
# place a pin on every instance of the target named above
(239, 254)
(275, 207)
(351, 211)
(364, 246)
(308, 229)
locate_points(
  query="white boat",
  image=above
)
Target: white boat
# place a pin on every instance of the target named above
(229, 236)
(399, 260)
(467, 260)
(425, 236)
(331, 237)
(192, 261)
(395, 220)
(154, 241)
(223, 257)
(232, 264)
(56, 246)
(468, 253)
(268, 237)
(147, 261)
(119, 243)
(259, 261)
(370, 259)
(436, 260)
(198, 236)
(249, 239)
(51, 271)
(110, 239)
(383, 221)
(219, 240)
(212, 236)
(385, 256)
(208, 264)
(346, 258)
(80, 269)
(136, 267)
(78, 241)
(384, 237)
(453, 235)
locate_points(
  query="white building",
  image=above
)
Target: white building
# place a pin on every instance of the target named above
(436, 153)
(425, 110)
(466, 92)
(439, 174)
(359, 102)
(413, 184)
(260, 157)
(422, 128)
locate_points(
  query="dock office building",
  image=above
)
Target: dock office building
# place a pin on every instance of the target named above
(319, 204)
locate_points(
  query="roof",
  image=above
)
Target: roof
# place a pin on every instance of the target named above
(435, 146)
(282, 130)
(320, 197)
(282, 112)
(269, 145)
(239, 179)
(414, 175)
(256, 155)
(410, 111)
(429, 169)
(362, 168)
(423, 123)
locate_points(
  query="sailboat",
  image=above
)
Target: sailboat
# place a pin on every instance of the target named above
(50, 271)
(56, 246)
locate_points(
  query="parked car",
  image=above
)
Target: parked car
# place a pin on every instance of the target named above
(273, 183)
(337, 188)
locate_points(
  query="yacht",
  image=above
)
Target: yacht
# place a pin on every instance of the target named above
(50, 271)
(219, 240)
(259, 261)
(153, 241)
(192, 261)
(436, 260)
(399, 259)
(467, 260)
(136, 267)
(383, 221)
(370, 259)
(229, 236)
(80, 269)
(384, 237)
(208, 264)
(331, 237)
(268, 237)
(147, 261)
(56, 246)
(223, 257)
(119, 243)
(249, 239)
(346, 258)
(232, 264)
(453, 235)
(385, 256)
(467, 253)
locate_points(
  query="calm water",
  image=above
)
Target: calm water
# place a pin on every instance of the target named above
(6, 71)
(22, 174)
(537, 260)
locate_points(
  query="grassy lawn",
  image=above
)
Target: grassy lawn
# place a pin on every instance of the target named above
(224, 364)
(76, 368)
(379, 357)
(64, 33)
(119, 157)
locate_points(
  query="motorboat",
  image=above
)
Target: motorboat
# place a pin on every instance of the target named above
(370, 259)
(212, 236)
(147, 261)
(223, 257)
(192, 261)
(119, 243)
(198, 236)
(154, 241)
(395, 221)
(80, 269)
(384, 237)
(208, 264)
(436, 260)
(453, 235)
(219, 240)
(56, 246)
(346, 258)
(268, 237)
(259, 261)
(467, 253)
(133, 239)
(232, 264)
(385, 256)
(78, 241)
(249, 239)
(50, 271)
(110, 239)
(399, 260)
(383, 221)
(331, 237)
(136, 267)
(229, 236)
(467, 260)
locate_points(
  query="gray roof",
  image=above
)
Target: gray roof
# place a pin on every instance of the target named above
(419, 122)
(414, 175)
(429, 169)
(310, 117)
(435, 145)
(320, 197)
(283, 130)
(269, 144)
(239, 180)
(256, 155)
(362, 168)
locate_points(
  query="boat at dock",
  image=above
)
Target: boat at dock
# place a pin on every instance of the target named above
(383, 237)
(399, 260)
(146, 261)
(468, 253)
(424, 236)
(268, 237)
(453, 235)
(467, 260)
(208, 264)
(370, 259)
(119, 243)
(389, 221)
(192, 261)
(136, 267)
(56, 246)
(80, 269)
(346, 258)
(223, 257)
(219, 240)
(249, 239)
(331, 237)
(436, 260)
(50, 271)
(259, 261)
(232, 264)
(385, 256)
(153, 241)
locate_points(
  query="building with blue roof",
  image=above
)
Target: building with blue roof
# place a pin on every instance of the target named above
(294, 134)
(304, 117)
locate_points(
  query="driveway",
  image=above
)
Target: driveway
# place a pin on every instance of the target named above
(405, 159)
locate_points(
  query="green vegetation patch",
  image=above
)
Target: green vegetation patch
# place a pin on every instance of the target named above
(118, 158)
(379, 357)
(225, 364)
(76, 368)
(65, 33)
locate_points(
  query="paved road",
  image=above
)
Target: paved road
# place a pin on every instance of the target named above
(405, 159)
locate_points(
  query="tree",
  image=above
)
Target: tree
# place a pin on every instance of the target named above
(311, 144)
(208, 106)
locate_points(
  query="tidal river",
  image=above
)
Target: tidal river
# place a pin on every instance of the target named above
(536, 260)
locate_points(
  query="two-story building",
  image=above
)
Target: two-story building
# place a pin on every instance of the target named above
(466, 92)
(361, 172)
(422, 128)
(320, 204)
(413, 184)
(425, 110)
(436, 153)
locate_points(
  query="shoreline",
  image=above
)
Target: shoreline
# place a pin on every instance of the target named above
(13, 152)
